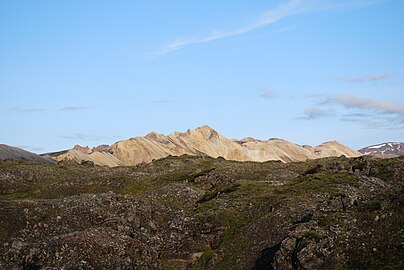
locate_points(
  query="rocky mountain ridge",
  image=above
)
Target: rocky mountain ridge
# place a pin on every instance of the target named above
(202, 141)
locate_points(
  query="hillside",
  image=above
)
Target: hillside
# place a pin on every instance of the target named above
(203, 213)
(202, 141)
(15, 153)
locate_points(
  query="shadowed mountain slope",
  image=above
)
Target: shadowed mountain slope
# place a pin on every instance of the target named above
(10, 152)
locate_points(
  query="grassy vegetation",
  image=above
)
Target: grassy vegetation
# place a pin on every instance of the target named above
(206, 256)
(217, 191)
(318, 182)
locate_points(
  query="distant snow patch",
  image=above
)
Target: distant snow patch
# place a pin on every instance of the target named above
(378, 146)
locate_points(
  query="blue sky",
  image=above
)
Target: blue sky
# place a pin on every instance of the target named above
(94, 72)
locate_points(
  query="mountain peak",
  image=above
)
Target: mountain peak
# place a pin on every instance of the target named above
(82, 149)
(206, 131)
(206, 128)
(246, 140)
(152, 135)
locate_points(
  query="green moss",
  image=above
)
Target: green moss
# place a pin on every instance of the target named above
(384, 173)
(179, 176)
(167, 265)
(323, 182)
(370, 205)
(3, 234)
(381, 247)
(217, 191)
(206, 256)
(16, 196)
(325, 221)
(314, 235)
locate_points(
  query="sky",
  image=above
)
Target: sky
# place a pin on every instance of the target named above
(95, 72)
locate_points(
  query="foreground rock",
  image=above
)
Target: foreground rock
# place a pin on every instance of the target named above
(203, 213)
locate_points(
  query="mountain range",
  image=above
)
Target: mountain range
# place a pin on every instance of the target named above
(202, 141)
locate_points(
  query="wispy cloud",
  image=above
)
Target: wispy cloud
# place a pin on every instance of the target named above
(27, 110)
(287, 9)
(88, 137)
(374, 121)
(375, 105)
(367, 112)
(267, 94)
(314, 113)
(34, 109)
(160, 101)
(82, 137)
(73, 108)
(364, 78)
(372, 113)
(287, 29)
(358, 115)
(30, 148)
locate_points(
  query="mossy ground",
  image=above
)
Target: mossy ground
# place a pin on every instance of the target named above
(256, 209)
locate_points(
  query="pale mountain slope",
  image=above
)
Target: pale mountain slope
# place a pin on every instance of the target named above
(139, 150)
(208, 141)
(332, 149)
(98, 158)
(200, 141)
(203, 141)
(276, 149)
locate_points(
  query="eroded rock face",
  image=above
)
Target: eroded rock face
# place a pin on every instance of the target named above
(203, 213)
(82, 149)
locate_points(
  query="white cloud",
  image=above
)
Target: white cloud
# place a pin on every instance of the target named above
(372, 113)
(27, 110)
(287, 9)
(88, 137)
(30, 148)
(267, 94)
(381, 106)
(313, 113)
(364, 78)
(73, 108)
(82, 137)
